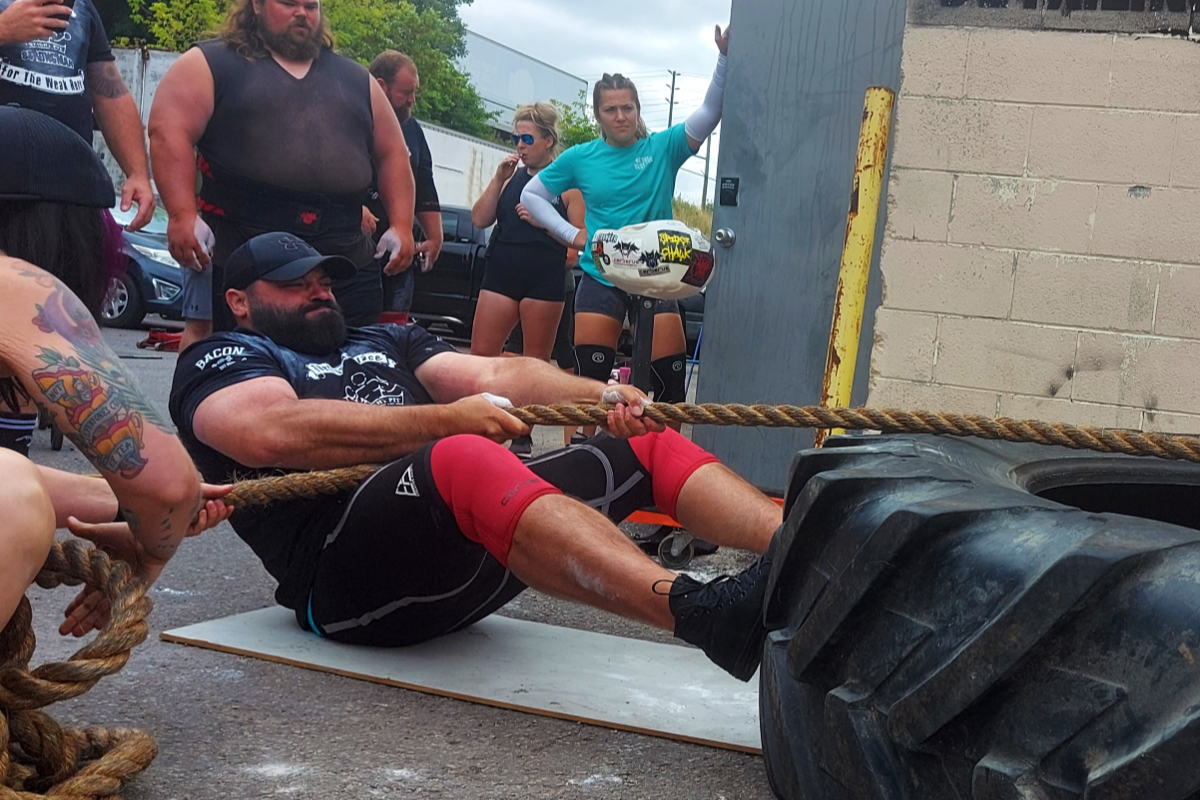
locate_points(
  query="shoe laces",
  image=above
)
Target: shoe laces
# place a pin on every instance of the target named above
(718, 593)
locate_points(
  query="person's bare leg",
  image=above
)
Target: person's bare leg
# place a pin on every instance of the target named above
(539, 325)
(669, 338)
(563, 548)
(193, 331)
(718, 506)
(26, 529)
(568, 550)
(85, 497)
(495, 317)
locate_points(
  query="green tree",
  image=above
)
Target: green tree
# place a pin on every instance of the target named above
(575, 121)
(448, 10)
(177, 24)
(364, 28)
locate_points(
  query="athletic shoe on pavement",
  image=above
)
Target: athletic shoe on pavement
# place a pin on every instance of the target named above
(724, 617)
(522, 447)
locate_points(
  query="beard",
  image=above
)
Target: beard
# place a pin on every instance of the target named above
(286, 47)
(294, 329)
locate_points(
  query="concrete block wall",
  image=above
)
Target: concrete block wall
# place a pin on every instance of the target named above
(1042, 253)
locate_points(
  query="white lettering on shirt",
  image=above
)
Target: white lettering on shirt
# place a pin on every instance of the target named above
(44, 83)
(221, 358)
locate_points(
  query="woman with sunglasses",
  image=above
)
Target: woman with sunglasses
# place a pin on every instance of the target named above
(523, 279)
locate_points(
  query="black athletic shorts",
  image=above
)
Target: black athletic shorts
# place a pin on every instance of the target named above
(564, 338)
(520, 271)
(397, 570)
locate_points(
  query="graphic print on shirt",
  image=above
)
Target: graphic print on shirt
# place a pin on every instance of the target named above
(374, 391)
(43, 61)
(317, 371)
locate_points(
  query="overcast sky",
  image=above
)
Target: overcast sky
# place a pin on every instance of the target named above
(643, 39)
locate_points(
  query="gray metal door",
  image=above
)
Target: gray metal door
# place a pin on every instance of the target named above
(799, 70)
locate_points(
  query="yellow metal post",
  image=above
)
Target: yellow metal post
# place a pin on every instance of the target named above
(851, 295)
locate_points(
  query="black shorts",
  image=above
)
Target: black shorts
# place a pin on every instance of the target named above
(361, 295)
(520, 271)
(564, 338)
(397, 570)
(593, 297)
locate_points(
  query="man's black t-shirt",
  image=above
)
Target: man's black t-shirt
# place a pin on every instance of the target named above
(421, 160)
(49, 75)
(375, 366)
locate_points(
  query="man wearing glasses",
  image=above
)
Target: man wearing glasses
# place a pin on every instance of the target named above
(397, 74)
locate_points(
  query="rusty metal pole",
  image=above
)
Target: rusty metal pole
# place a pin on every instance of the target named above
(850, 300)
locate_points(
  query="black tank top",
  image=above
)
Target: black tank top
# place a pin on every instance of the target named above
(313, 134)
(511, 229)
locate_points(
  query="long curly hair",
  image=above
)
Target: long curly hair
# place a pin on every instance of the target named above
(241, 31)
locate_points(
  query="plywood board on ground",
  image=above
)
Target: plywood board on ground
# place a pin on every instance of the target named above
(657, 689)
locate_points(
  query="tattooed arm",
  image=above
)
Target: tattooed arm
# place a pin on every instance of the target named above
(51, 345)
(121, 124)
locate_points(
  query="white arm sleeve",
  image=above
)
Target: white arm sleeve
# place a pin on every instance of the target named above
(704, 119)
(538, 200)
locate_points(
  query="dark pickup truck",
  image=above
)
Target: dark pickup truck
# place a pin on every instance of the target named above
(447, 294)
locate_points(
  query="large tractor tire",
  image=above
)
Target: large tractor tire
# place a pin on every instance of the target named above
(955, 619)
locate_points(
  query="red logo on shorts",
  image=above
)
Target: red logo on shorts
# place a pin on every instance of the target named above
(516, 489)
(308, 217)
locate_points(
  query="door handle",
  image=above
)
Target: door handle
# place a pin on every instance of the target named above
(725, 237)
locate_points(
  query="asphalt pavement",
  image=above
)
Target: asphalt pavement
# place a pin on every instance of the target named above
(234, 727)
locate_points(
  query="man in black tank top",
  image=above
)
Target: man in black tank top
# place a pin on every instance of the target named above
(286, 133)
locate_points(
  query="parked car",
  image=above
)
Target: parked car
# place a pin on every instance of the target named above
(151, 281)
(448, 293)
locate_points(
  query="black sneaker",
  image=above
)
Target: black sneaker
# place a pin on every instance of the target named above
(724, 617)
(522, 447)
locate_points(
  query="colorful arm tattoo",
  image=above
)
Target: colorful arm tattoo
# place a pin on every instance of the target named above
(106, 413)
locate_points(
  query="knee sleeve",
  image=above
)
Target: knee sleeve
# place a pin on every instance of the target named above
(668, 379)
(670, 459)
(487, 489)
(16, 431)
(595, 362)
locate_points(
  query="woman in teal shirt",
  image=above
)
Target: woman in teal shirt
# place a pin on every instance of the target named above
(627, 176)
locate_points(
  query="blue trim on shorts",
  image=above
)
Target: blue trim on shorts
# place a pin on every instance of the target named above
(312, 624)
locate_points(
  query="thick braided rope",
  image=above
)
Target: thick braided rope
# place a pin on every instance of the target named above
(888, 420)
(38, 757)
(1103, 440)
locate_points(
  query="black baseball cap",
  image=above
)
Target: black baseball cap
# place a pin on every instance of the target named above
(280, 257)
(42, 159)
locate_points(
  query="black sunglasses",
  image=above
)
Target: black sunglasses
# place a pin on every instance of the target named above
(527, 138)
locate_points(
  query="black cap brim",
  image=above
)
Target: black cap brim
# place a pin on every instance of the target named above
(336, 267)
